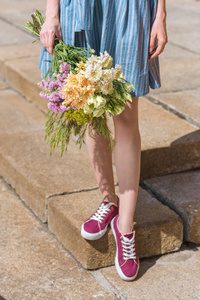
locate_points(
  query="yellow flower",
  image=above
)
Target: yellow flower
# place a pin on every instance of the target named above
(78, 115)
(77, 90)
(81, 66)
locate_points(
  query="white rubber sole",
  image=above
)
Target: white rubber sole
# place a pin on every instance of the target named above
(92, 236)
(119, 271)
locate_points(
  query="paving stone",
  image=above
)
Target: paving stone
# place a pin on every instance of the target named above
(178, 73)
(158, 229)
(13, 52)
(182, 22)
(3, 187)
(27, 165)
(185, 102)
(19, 12)
(174, 276)
(169, 144)
(20, 6)
(23, 75)
(2, 85)
(34, 265)
(17, 115)
(12, 35)
(181, 191)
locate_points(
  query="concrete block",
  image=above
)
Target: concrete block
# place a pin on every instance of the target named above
(181, 191)
(158, 229)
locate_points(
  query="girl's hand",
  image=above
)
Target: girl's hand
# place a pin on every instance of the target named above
(50, 30)
(158, 32)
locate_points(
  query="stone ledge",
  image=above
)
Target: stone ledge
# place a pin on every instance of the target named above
(34, 265)
(169, 144)
(181, 191)
(23, 75)
(158, 229)
(185, 103)
(17, 115)
(27, 165)
(13, 52)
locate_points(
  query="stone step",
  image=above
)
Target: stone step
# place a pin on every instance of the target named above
(22, 75)
(181, 192)
(166, 139)
(169, 144)
(32, 259)
(158, 229)
(51, 186)
(25, 160)
(184, 103)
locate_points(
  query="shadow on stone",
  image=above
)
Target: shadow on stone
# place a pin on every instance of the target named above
(100, 245)
(145, 265)
(192, 137)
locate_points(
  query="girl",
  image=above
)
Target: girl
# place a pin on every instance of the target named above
(133, 32)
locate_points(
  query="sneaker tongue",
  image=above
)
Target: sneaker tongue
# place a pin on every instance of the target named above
(107, 202)
(129, 235)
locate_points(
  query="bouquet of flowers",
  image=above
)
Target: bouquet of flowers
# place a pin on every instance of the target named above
(81, 89)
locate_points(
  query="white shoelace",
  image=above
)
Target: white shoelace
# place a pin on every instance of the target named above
(128, 246)
(101, 212)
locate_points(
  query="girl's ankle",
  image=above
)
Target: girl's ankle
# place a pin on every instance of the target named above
(125, 228)
(112, 198)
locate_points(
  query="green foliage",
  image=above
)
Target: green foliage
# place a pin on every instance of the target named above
(70, 54)
(36, 25)
(59, 130)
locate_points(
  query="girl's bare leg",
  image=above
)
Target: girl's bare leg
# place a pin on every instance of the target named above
(127, 161)
(101, 160)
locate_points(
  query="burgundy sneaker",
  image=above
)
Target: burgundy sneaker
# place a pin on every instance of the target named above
(96, 225)
(126, 259)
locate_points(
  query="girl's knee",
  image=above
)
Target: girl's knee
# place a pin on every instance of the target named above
(129, 116)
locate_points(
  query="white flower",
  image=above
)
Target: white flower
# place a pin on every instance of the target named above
(107, 87)
(90, 100)
(99, 101)
(98, 112)
(108, 74)
(88, 109)
(93, 72)
(106, 60)
(92, 60)
(118, 72)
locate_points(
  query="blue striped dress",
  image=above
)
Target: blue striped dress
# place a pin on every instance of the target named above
(121, 27)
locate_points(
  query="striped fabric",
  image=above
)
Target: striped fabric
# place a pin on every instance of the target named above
(121, 27)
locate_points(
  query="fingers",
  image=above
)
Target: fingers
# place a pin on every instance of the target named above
(59, 34)
(158, 50)
(152, 42)
(47, 40)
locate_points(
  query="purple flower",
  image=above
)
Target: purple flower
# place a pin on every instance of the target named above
(63, 108)
(43, 95)
(64, 68)
(60, 77)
